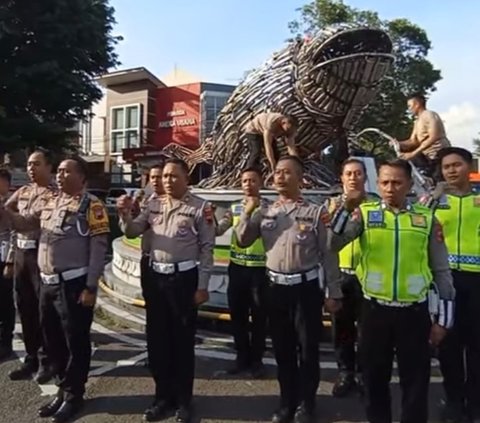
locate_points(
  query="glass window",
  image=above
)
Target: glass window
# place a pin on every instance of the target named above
(209, 101)
(117, 142)
(210, 114)
(132, 139)
(117, 118)
(132, 117)
(126, 127)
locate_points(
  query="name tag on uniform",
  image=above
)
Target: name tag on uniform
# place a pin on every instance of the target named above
(304, 219)
(186, 214)
(418, 220)
(375, 219)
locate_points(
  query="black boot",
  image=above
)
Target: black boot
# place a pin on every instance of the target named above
(157, 411)
(25, 371)
(304, 414)
(283, 415)
(453, 412)
(43, 376)
(183, 414)
(67, 410)
(49, 409)
(344, 384)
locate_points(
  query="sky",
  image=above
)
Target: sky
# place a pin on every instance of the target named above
(218, 40)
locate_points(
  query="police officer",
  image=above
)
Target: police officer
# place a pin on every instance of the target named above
(139, 204)
(72, 251)
(7, 307)
(353, 177)
(246, 285)
(295, 240)
(458, 210)
(183, 232)
(402, 252)
(23, 254)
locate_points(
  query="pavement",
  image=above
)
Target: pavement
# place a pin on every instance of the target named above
(120, 387)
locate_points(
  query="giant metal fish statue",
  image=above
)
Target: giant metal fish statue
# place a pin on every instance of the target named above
(326, 82)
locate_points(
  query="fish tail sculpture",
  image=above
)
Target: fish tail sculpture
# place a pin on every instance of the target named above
(326, 82)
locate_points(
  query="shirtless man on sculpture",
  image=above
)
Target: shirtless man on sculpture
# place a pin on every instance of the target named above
(428, 136)
(264, 130)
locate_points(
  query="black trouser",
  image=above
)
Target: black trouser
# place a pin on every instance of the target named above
(404, 331)
(66, 329)
(246, 297)
(27, 290)
(255, 145)
(171, 324)
(459, 353)
(144, 271)
(295, 317)
(7, 310)
(344, 325)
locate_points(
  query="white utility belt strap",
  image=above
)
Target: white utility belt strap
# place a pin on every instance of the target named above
(66, 276)
(395, 303)
(4, 247)
(26, 244)
(171, 268)
(293, 278)
(347, 271)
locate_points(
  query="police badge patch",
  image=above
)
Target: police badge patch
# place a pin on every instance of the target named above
(418, 221)
(303, 230)
(375, 219)
(183, 228)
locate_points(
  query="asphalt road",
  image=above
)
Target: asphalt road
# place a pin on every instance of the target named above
(120, 387)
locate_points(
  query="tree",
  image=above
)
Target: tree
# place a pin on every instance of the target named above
(412, 72)
(476, 146)
(51, 52)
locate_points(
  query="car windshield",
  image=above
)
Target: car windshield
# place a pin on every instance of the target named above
(476, 187)
(117, 192)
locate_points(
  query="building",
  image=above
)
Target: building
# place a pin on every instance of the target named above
(141, 114)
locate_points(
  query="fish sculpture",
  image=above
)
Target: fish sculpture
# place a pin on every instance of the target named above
(325, 81)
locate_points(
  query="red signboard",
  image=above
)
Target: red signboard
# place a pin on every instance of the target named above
(178, 116)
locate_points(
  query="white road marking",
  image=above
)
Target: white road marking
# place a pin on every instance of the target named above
(132, 361)
(118, 336)
(205, 351)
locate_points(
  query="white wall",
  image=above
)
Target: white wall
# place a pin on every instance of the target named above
(93, 138)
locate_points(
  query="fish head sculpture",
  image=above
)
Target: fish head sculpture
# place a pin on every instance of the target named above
(325, 81)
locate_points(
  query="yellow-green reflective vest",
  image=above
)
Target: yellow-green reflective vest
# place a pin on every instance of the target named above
(349, 255)
(460, 218)
(394, 253)
(253, 256)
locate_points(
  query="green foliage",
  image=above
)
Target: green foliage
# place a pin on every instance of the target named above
(51, 52)
(476, 146)
(411, 72)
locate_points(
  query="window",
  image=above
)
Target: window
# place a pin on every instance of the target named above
(125, 127)
(212, 104)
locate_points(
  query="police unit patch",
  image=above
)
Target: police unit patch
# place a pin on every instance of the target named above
(97, 219)
(98, 211)
(418, 220)
(375, 218)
